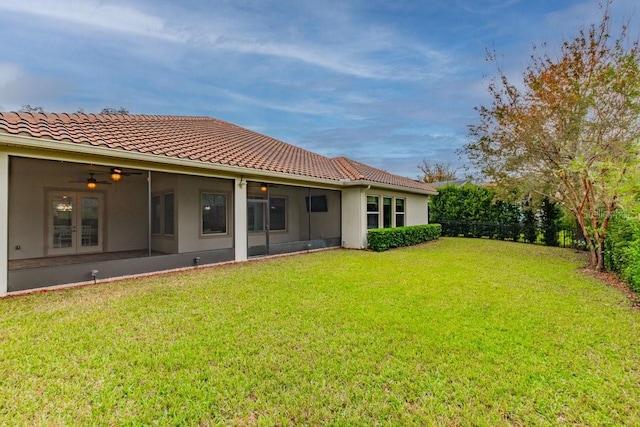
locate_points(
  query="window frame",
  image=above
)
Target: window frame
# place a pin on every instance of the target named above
(371, 212)
(390, 212)
(380, 212)
(397, 213)
(201, 232)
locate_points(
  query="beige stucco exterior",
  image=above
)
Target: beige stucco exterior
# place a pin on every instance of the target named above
(31, 169)
(354, 225)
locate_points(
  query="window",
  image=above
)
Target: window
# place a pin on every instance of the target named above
(387, 212)
(156, 202)
(373, 211)
(399, 212)
(214, 213)
(169, 215)
(277, 218)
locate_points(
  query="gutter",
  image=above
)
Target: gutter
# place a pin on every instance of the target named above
(368, 184)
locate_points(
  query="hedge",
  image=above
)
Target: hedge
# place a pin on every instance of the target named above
(381, 239)
(622, 249)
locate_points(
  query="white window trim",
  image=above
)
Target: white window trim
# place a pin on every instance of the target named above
(380, 211)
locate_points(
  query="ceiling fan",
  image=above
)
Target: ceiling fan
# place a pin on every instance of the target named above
(116, 174)
(91, 182)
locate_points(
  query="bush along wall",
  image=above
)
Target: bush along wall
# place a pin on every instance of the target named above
(622, 249)
(381, 239)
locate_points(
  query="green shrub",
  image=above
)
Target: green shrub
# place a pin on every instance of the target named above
(622, 249)
(381, 239)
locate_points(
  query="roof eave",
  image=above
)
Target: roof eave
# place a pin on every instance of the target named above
(366, 183)
(25, 141)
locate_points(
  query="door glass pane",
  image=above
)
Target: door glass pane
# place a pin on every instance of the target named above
(62, 222)
(255, 215)
(90, 208)
(168, 214)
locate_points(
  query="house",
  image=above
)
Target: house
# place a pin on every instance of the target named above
(86, 197)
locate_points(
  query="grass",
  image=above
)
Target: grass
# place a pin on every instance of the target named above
(455, 332)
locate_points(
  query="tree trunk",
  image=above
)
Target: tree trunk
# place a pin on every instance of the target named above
(599, 252)
(593, 253)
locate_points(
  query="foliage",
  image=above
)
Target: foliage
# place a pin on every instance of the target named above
(461, 332)
(550, 215)
(28, 108)
(381, 239)
(469, 202)
(622, 249)
(109, 110)
(436, 172)
(529, 225)
(571, 133)
(475, 211)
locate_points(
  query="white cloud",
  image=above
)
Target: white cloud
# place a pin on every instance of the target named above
(336, 44)
(8, 73)
(97, 14)
(306, 107)
(17, 88)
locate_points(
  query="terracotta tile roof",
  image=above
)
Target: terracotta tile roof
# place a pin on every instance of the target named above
(200, 139)
(363, 172)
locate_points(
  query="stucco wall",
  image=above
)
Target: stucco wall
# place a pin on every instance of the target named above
(415, 205)
(189, 221)
(416, 209)
(354, 212)
(353, 218)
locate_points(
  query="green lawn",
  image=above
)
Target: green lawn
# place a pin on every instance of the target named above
(454, 332)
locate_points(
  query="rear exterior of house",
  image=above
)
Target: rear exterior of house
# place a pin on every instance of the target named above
(87, 197)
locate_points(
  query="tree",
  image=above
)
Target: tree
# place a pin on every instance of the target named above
(549, 217)
(529, 225)
(436, 172)
(27, 108)
(109, 110)
(570, 131)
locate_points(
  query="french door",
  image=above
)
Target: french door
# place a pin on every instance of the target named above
(75, 222)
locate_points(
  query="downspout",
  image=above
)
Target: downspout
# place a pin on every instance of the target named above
(267, 226)
(309, 215)
(149, 212)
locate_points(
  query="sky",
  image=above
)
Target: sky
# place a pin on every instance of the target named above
(384, 82)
